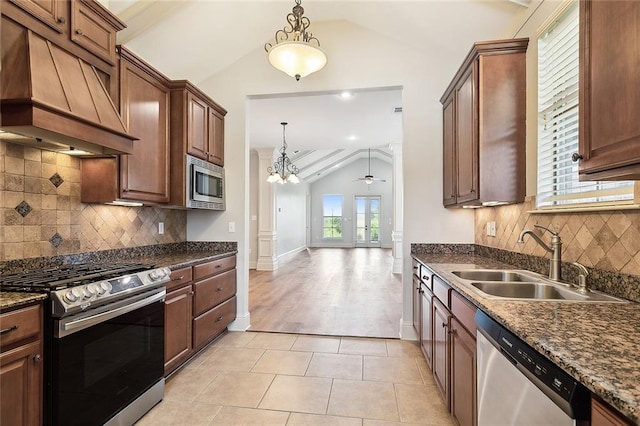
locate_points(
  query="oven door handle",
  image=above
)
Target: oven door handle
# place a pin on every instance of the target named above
(72, 326)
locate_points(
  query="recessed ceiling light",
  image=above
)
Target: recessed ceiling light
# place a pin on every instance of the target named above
(352, 137)
(346, 95)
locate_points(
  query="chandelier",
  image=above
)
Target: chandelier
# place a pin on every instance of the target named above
(283, 169)
(296, 51)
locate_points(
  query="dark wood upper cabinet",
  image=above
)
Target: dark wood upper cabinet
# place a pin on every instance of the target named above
(609, 97)
(144, 105)
(198, 123)
(484, 111)
(144, 175)
(53, 13)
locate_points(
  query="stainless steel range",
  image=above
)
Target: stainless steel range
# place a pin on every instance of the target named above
(104, 340)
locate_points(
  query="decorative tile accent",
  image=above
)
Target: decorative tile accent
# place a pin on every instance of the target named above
(56, 180)
(56, 240)
(23, 208)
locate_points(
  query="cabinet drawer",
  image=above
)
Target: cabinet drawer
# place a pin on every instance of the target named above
(210, 324)
(211, 291)
(19, 325)
(213, 267)
(416, 268)
(426, 276)
(441, 290)
(464, 311)
(91, 31)
(179, 277)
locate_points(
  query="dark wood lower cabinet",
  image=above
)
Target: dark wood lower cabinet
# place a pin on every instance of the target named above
(199, 306)
(177, 332)
(441, 362)
(603, 415)
(463, 375)
(426, 328)
(417, 305)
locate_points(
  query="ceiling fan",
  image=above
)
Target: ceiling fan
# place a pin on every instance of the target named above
(368, 178)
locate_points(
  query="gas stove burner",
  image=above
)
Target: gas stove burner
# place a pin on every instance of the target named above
(46, 280)
(79, 287)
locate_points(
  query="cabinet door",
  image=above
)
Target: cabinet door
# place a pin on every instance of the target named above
(449, 151)
(90, 30)
(54, 13)
(216, 137)
(21, 385)
(426, 326)
(463, 375)
(603, 415)
(417, 304)
(144, 175)
(197, 127)
(177, 331)
(466, 135)
(609, 99)
(441, 349)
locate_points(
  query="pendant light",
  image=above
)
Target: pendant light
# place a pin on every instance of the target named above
(283, 169)
(296, 51)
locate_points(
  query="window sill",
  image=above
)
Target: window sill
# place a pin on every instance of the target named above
(557, 210)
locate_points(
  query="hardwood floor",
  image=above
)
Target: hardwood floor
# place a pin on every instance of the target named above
(327, 291)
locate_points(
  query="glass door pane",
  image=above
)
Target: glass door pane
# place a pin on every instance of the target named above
(367, 221)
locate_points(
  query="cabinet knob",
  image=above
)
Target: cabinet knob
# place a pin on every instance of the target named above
(125, 190)
(219, 289)
(444, 325)
(219, 318)
(191, 293)
(37, 358)
(472, 191)
(576, 157)
(61, 20)
(79, 31)
(425, 277)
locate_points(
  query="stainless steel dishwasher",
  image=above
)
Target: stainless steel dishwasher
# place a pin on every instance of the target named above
(519, 386)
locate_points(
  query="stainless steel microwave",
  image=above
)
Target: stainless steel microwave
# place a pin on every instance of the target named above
(205, 185)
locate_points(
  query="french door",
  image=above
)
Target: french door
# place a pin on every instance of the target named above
(367, 221)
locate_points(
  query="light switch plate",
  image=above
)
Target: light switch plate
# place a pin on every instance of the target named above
(492, 228)
(160, 228)
(232, 227)
(488, 229)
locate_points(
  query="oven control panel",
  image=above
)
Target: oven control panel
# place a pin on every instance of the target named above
(79, 298)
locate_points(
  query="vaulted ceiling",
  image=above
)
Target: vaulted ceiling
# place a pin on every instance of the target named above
(195, 39)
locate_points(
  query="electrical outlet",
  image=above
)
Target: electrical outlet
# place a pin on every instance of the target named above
(232, 227)
(160, 228)
(488, 229)
(492, 230)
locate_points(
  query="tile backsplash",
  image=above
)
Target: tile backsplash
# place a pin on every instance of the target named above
(41, 212)
(606, 240)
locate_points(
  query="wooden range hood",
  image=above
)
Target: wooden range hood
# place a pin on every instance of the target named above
(54, 100)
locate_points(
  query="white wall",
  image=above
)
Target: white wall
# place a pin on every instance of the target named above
(342, 182)
(253, 209)
(358, 58)
(291, 218)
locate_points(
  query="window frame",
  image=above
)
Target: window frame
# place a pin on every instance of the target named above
(565, 190)
(340, 218)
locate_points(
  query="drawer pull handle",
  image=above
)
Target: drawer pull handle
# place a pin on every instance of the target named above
(425, 277)
(218, 266)
(180, 278)
(219, 289)
(7, 330)
(219, 318)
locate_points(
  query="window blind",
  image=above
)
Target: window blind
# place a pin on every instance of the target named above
(558, 184)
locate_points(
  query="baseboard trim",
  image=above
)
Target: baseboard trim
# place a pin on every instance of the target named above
(407, 332)
(288, 255)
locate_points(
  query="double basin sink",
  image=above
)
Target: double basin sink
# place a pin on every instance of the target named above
(514, 284)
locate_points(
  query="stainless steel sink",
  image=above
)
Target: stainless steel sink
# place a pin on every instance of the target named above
(520, 290)
(494, 275)
(525, 285)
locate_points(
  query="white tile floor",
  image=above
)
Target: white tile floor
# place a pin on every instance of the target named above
(288, 379)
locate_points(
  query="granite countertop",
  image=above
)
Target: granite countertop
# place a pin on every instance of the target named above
(174, 260)
(598, 343)
(14, 299)
(183, 259)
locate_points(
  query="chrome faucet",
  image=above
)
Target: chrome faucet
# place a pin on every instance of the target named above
(555, 249)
